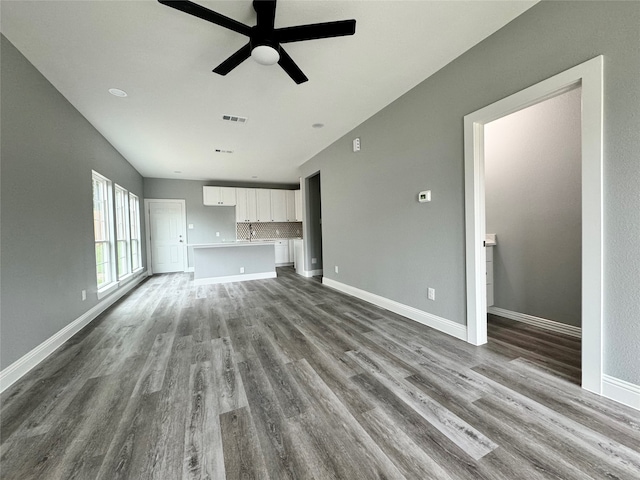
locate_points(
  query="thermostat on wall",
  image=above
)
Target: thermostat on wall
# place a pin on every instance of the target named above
(424, 196)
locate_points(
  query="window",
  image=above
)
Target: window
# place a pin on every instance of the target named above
(102, 230)
(117, 250)
(134, 217)
(122, 232)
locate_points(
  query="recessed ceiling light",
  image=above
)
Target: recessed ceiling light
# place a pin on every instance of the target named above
(116, 92)
(318, 125)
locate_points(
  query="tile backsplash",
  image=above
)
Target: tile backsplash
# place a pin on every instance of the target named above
(269, 230)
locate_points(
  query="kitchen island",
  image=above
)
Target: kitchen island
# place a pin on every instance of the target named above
(233, 262)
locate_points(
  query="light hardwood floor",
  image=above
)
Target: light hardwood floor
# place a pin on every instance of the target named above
(285, 378)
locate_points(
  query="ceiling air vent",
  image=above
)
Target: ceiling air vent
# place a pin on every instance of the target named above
(234, 118)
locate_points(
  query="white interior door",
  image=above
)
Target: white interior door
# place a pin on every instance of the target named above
(167, 235)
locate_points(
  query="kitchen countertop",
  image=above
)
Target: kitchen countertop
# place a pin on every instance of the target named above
(241, 243)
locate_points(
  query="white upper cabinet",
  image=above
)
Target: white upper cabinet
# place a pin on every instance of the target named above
(291, 205)
(278, 205)
(263, 202)
(252, 205)
(257, 204)
(219, 196)
(298, 202)
(246, 208)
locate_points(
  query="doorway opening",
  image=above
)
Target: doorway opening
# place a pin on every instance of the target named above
(313, 226)
(589, 76)
(533, 224)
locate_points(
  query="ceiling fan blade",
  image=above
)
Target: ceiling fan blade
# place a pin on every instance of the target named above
(234, 60)
(315, 31)
(289, 66)
(208, 15)
(266, 13)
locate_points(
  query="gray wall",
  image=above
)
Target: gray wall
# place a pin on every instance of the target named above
(227, 261)
(533, 189)
(48, 150)
(206, 220)
(314, 223)
(387, 243)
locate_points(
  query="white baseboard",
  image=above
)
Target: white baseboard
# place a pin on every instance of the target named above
(30, 360)
(621, 391)
(310, 273)
(234, 278)
(441, 324)
(189, 269)
(537, 321)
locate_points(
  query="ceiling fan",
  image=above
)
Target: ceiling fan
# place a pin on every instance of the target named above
(264, 38)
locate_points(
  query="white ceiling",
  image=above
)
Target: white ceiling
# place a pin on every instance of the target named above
(163, 59)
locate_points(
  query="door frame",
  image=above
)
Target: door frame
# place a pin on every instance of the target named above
(589, 75)
(148, 229)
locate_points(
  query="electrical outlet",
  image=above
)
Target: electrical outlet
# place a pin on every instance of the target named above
(277, 232)
(217, 234)
(431, 294)
(314, 261)
(336, 268)
(84, 295)
(241, 269)
(191, 226)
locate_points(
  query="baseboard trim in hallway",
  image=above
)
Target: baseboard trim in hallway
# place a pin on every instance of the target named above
(441, 324)
(539, 322)
(30, 360)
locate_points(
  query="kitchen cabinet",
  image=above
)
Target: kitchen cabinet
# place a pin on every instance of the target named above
(490, 300)
(259, 204)
(282, 252)
(292, 251)
(219, 196)
(263, 205)
(298, 203)
(278, 205)
(291, 205)
(246, 205)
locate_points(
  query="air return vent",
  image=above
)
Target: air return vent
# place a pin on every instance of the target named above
(234, 119)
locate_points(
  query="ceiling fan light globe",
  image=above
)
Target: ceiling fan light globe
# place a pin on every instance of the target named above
(265, 55)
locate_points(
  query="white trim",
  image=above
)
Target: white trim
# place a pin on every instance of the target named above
(311, 273)
(190, 269)
(234, 278)
(621, 391)
(539, 322)
(590, 76)
(30, 360)
(438, 323)
(107, 290)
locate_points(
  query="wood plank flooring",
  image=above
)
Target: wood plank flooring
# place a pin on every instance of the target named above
(287, 379)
